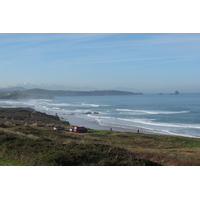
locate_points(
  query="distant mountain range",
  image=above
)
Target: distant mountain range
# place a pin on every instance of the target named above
(22, 93)
(53, 86)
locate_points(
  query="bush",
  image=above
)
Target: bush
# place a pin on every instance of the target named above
(48, 153)
(2, 125)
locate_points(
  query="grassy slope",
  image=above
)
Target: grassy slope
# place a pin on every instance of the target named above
(8, 162)
(24, 144)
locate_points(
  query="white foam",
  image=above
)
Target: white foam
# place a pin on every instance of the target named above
(90, 105)
(145, 125)
(110, 117)
(93, 105)
(60, 104)
(136, 112)
(158, 124)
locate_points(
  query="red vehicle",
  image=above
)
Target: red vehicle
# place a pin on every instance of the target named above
(79, 129)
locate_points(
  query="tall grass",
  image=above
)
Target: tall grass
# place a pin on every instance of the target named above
(48, 153)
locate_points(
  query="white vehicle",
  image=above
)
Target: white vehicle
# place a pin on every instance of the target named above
(57, 128)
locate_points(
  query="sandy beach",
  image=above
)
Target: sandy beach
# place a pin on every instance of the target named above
(73, 120)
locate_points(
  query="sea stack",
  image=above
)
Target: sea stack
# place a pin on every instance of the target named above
(175, 93)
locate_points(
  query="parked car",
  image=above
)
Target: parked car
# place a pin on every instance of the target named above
(79, 129)
(71, 129)
(57, 128)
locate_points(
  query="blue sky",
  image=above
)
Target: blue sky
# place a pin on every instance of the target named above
(145, 62)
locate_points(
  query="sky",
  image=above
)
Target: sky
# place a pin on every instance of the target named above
(145, 62)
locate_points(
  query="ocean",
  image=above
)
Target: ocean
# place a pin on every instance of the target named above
(149, 113)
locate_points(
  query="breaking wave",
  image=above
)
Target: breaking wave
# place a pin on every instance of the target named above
(140, 112)
(116, 112)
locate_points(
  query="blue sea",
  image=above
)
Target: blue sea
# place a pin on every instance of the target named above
(148, 113)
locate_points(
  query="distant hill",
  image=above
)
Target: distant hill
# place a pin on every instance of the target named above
(11, 89)
(50, 94)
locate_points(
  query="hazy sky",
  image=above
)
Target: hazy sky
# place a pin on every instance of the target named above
(146, 62)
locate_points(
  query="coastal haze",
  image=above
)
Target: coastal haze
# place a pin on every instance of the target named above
(145, 82)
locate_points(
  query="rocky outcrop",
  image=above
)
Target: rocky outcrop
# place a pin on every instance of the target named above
(175, 93)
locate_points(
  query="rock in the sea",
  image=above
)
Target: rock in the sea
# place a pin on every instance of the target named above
(88, 113)
(95, 113)
(175, 93)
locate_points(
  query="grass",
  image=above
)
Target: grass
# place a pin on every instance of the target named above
(48, 153)
(8, 162)
(40, 145)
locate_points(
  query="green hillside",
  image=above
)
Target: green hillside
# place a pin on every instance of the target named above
(27, 138)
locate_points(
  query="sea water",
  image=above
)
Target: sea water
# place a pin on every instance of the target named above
(149, 113)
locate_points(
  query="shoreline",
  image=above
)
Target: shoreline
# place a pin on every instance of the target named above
(75, 121)
(30, 133)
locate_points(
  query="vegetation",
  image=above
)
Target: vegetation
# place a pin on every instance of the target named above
(27, 138)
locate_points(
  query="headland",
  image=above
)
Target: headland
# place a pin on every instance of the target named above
(37, 93)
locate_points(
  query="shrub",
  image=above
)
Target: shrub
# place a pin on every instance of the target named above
(2, 125)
